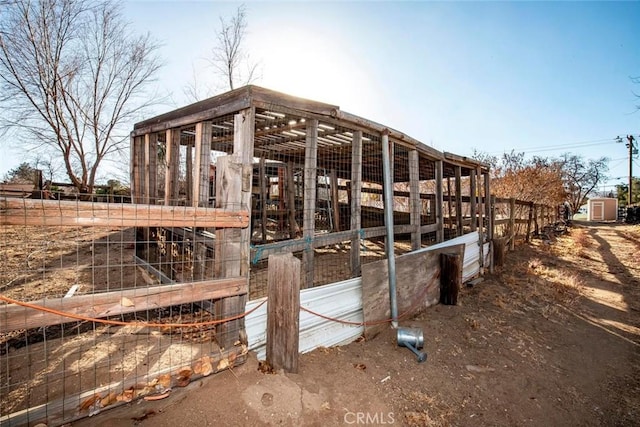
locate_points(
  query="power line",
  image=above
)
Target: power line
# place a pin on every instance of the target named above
(559, 146)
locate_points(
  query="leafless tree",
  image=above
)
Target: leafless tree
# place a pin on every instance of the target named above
(229, 55)
(582, 177)
(72, 78)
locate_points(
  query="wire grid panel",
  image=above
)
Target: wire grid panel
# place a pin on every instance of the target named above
(77, 366)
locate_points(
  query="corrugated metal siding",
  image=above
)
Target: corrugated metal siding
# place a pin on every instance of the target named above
(341, 300)
(470, 264)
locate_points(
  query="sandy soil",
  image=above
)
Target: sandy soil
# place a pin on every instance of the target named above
(552, 339)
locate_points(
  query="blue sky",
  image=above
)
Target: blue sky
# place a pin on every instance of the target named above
(493, 76)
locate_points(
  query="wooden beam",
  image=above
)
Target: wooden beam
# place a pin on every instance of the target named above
(333, 184)
(310, 183)
(356, 201)
(74, 213)
(512, 223)
(294, 228)
(152, 173)
(439, 202)
(235, 190)
(283, 312)
(200, 196)
(481, 202)
(459, 226)
(473, 199)
(262, 181)
(414, 198)
(119, 302)
(189, 175)
(172, 160)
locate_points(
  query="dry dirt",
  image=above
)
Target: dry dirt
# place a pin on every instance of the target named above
(551, 339)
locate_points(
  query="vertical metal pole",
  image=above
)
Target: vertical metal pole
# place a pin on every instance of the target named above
(388, 222)
(630, 138)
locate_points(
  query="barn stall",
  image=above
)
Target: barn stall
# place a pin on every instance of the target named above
(178, 279)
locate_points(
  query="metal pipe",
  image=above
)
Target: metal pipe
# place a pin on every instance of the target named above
(388, 222)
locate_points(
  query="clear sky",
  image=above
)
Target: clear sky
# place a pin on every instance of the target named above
(539, 77)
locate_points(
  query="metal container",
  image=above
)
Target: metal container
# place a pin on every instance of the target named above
(411, 336)
(413, 339)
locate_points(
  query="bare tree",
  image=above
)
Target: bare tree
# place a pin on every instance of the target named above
(582, 177)
(72, 78)
(229, 57)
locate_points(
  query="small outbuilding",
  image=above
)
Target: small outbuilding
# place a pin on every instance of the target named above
(602, 209)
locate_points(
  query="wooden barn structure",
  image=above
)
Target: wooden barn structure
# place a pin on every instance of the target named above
(333, 188)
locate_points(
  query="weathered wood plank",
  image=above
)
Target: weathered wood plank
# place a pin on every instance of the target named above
(450, 278)
(202, 164)
(356, 201)
(118, 302)
(172, 166)
(418, 285)
(72, 213)
(310, 183)
(473, 199)
(458, 186)
(414, 198)
(439, 202)
(283, 312)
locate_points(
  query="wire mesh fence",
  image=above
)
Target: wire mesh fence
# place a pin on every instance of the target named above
(90, 317)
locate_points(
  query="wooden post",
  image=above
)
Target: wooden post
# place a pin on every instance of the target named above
(473, 199)
(439, 202)
(233, 189)
(459, 226)
(281, 203)
(450, 278)
(262, 173)
(333, 182)
(512, 223)
(146, 179)
(294, 228)
(536, 228)
(528, 237)
(152, 158)
(283, 312)
(189, 175)
(310, 182)
(499, 246)
(414, 198)
(480, 207)
(488, 203)
(449, 206)
(200, 195)
(356, 200)
(172, 156)
(492, 231)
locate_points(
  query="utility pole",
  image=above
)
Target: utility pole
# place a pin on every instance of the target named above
(632, 151)
(631, 139)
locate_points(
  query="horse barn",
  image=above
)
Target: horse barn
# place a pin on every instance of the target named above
(314, 180)
(231, 196)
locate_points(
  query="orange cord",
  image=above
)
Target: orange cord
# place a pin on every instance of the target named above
(121, 323)
(417, 302)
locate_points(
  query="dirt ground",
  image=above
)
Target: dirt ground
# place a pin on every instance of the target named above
(551, 339)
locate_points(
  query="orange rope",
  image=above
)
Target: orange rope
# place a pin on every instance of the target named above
(408, 311)
(417, 302)
(121, 323)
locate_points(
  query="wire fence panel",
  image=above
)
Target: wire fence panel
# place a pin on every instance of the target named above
(97, 315)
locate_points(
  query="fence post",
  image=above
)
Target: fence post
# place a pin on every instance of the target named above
(283, 312)
(512, 223)
(450, 278)
(529, 221)
(492, 230)
(498, 251)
